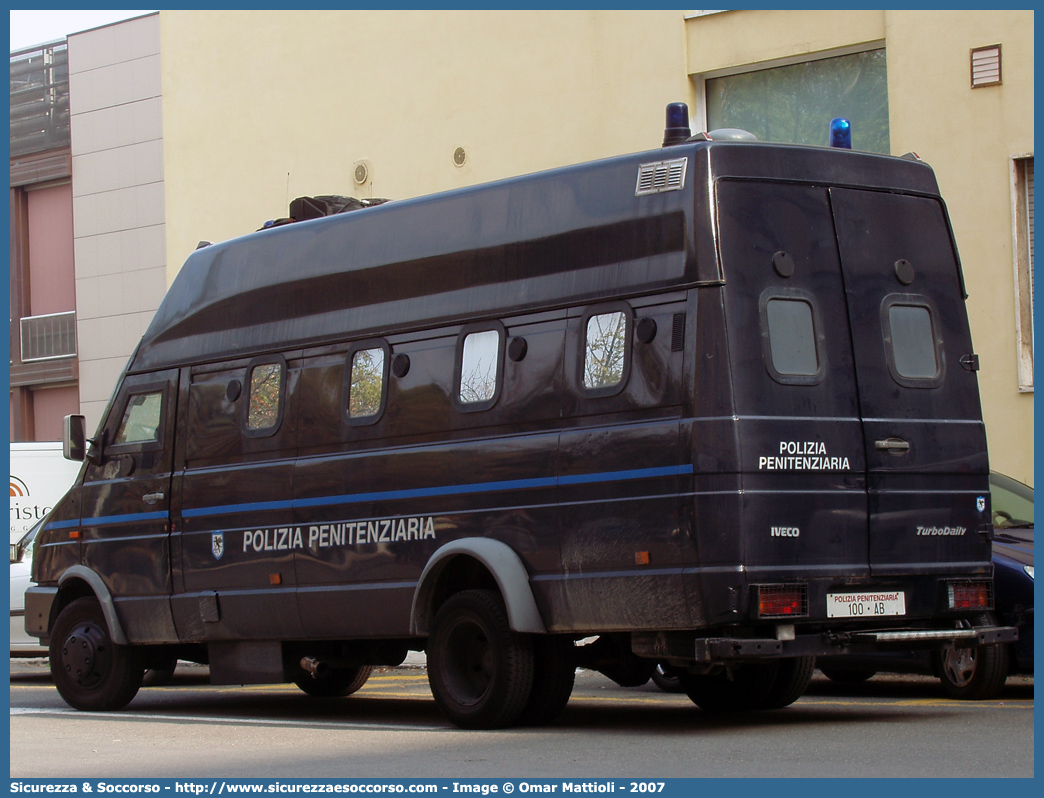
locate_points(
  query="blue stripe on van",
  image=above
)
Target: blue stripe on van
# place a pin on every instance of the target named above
(129, 518)
(444, 490)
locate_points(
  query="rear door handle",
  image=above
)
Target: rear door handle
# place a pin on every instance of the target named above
(892, 445)
(152, 498)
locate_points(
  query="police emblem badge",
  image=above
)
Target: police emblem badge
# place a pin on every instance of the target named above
(980, 503)
(217, 544)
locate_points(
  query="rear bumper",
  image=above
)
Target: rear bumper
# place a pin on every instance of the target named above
(711, 650)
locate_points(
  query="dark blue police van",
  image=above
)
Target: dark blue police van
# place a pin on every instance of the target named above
(713, 405)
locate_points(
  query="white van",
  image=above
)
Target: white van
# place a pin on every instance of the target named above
(40, 476)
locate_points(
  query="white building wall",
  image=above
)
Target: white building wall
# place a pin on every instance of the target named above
(118, 208)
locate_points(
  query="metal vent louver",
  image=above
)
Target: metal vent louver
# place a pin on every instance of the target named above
(986, 66)
(654, 178)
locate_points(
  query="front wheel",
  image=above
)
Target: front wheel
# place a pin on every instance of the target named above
(89, 670)
(480, 671)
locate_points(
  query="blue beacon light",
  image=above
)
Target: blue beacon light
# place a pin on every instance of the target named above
(677, 130)
(841, 133)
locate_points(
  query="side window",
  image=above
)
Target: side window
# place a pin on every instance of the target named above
(141, 420)
(790, 336)
(265, 398)
(480, 356)
(606, 351)
(366, 382)
(911, 343)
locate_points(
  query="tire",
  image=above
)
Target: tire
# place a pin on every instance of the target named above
(845, 676)
(792, 679)
(335, 683)
(89, 670)
(667, 679)
(739, 688)
(554, 673)
(479, 670)
(973, 674)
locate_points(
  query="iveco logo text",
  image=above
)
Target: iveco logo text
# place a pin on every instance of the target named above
(802, 456)
(785, 532)
(953, 531)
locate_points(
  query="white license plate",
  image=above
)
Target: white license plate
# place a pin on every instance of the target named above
(866, 605)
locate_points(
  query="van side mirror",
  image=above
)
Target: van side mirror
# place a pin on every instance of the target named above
(74, 438)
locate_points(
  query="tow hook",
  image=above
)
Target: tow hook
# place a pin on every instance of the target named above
(314, 667)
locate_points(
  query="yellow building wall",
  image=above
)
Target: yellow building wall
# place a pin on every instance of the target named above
(263, 107)
(969, 136)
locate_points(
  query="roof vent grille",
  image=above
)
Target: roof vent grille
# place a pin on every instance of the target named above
(660, 176)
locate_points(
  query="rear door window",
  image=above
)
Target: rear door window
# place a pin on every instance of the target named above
(790, 332)
(913, 342)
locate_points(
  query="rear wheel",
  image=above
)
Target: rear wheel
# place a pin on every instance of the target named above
(973, 674)
(89, 670)
(792, 679)
(739, 688)
(480, 671)
(334, 683)
(554, 672)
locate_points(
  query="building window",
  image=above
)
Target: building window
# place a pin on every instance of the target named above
(795, 103)
(1022, 244)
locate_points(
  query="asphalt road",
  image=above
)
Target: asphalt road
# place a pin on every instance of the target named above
(890, 726)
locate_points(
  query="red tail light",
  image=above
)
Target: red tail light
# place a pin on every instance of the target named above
(971, 594)
(782, 601)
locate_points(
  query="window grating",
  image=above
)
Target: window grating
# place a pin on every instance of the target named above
(783, 601)
(49, 337)
(986, 66)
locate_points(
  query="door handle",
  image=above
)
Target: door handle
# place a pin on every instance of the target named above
(152, 498)
(892, 445)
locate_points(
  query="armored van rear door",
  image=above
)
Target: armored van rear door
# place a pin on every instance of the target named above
(802, 501)
(923, 433)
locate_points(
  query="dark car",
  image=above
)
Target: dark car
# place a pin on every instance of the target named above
(976, 673)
